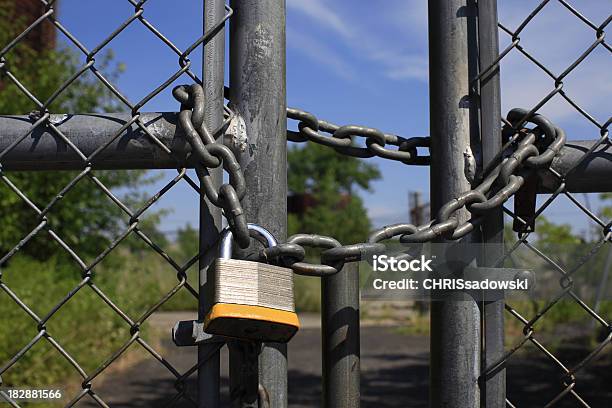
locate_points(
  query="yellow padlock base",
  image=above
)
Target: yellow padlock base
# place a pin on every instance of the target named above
(251, 322)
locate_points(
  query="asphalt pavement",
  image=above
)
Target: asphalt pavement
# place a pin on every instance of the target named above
(394, 371)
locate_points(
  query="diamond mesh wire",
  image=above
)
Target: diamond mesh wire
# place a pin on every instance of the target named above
(133, 216)
(569, 371)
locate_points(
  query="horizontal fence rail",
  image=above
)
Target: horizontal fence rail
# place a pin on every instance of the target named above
(117, 143)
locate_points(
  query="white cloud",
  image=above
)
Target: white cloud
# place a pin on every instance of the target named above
(386, 215)
(409, 17)
(590, 88)
(394, 60)
(320, 53)
(403, 66)
(397, 47)
(319, 11)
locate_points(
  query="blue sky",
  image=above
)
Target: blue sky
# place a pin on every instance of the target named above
(366, 63)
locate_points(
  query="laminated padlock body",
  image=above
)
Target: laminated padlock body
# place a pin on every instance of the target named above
(252, 300)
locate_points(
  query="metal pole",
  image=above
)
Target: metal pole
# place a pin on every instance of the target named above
(417, 217)
(455, 320)
(210, 215)
(493, 389)
(416, 208)
(340, 337)
(258, 96)
(42, 149)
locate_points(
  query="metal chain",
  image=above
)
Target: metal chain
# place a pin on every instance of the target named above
(211, 154)
(341, 139)
(526, 150)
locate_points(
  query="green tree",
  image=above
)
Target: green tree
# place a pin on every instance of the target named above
(187, 241)
(550, 233)
(86, 219)
(331, 180)
(606, 211)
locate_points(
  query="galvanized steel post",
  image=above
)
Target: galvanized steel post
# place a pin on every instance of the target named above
(340, 337)
(455, 320)
(213, 60)
(493, 389)
(258, 97)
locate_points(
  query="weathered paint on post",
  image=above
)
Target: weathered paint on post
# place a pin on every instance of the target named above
(340, 338)
(455, 321)
(258, 97)
(210, 215)
(493, 389)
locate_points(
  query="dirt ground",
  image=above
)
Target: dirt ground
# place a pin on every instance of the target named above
(394, 374)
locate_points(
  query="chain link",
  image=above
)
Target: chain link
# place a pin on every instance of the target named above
(42, 118)
(211, 154)
(526, 150)
(341, 139)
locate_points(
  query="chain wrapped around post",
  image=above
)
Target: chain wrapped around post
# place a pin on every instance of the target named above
(341, 139)
(212, 154)
(525, 151)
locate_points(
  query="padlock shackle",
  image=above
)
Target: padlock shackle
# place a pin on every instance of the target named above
(255, 231)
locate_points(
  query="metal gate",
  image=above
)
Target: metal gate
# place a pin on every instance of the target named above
(475, 169)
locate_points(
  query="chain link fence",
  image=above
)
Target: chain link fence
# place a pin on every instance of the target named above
(89, 145)
(570, 367)
(42, 120)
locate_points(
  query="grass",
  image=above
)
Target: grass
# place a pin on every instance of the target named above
(566, 315)
(85, 326)
(90, 331)
(565, 321)
(307, 292)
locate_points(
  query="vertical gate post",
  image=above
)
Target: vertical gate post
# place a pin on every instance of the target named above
(340, 337)
(455, 320)
(210, 215)
(493, 389)
(258, 97)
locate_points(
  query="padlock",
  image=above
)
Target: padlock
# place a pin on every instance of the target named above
(252, 300)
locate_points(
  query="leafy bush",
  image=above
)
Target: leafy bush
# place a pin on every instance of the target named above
(85, 326)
